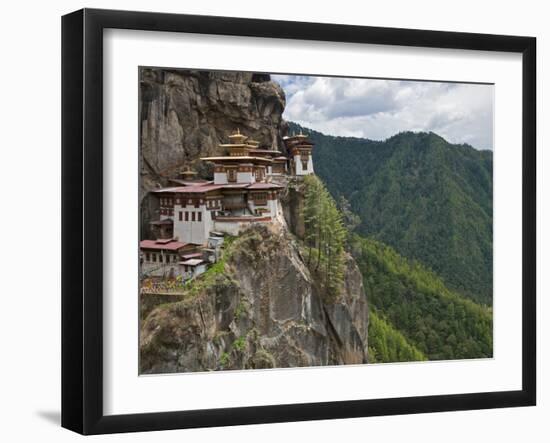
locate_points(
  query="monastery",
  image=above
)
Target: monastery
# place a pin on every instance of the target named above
(245, 190)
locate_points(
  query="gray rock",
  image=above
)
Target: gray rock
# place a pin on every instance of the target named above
(263, 311)
(185, 114)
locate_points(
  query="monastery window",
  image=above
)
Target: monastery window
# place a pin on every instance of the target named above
(180, 216)
(231, 175)
(193, 216)
(186, 215)
(199, 215)
(260, 198)
(154, 257)
(147, 257)
(304, 164)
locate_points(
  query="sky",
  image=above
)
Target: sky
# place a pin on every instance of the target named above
(377, 109)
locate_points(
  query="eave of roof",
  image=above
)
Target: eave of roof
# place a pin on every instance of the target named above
(154, 244)
(236, 158)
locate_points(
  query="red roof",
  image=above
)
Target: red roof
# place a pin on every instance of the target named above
(199, 189)
(235, 185)
(194, 255)
(198, 182)
(263, 186)
(194, 189)
(165, 245)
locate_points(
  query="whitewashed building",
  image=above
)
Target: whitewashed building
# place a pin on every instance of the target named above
(160, 258)
(300, 149)
(241, 193)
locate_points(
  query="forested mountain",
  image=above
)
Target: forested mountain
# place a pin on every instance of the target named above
(387, 344)
(427, 198)
(413, 313)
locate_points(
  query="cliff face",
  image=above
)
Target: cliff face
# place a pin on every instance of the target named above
(262, 311)
(260, 307)
(184, 115)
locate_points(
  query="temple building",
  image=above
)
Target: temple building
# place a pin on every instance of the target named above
(300, 148)
(243, 191)
(162, 257)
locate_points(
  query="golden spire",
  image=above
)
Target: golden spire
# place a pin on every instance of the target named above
(237, 137)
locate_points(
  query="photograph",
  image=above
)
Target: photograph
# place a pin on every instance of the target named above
(294, 221)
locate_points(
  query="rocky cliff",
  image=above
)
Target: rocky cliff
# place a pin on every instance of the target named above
(259, 307)
(185, 114)
(262, 309)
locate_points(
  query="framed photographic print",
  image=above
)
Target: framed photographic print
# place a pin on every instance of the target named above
(270, 221)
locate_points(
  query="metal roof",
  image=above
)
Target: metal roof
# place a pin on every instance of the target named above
(191, 262)
(171, 245)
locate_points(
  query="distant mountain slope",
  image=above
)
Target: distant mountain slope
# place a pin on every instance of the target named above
(387, 344)
(429, 199)
(411, 301)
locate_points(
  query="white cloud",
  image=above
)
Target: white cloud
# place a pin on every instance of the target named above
(378, 109)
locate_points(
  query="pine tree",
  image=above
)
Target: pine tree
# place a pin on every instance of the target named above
(325, 237)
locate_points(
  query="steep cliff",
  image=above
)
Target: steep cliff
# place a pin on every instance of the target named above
(185, 114)
(262, 310)
(259, 307)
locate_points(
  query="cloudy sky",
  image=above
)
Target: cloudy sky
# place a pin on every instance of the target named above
(378, 109)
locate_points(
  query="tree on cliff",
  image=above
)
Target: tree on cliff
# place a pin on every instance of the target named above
(325, 236)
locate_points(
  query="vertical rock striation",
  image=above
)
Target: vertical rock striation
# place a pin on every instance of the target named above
(263, 311)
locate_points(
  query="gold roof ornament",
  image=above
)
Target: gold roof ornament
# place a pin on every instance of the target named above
(187, 172)
(237, 137)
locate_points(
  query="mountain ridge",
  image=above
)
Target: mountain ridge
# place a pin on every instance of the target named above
(429, 199)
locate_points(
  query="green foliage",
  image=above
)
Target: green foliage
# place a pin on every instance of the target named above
(325, 237)
(386, 344)
(239, 344)
(197, 285)
(224, 359)
(427, 198)
(437, 321)
(240, 310)
(349, 218)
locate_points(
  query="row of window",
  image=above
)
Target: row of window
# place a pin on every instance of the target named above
(260, 197)
(161, 258)
(232, 175)
(213, 203)
(191, 216)
(210, 203)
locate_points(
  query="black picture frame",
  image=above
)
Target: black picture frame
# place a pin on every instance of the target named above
(82, 190)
